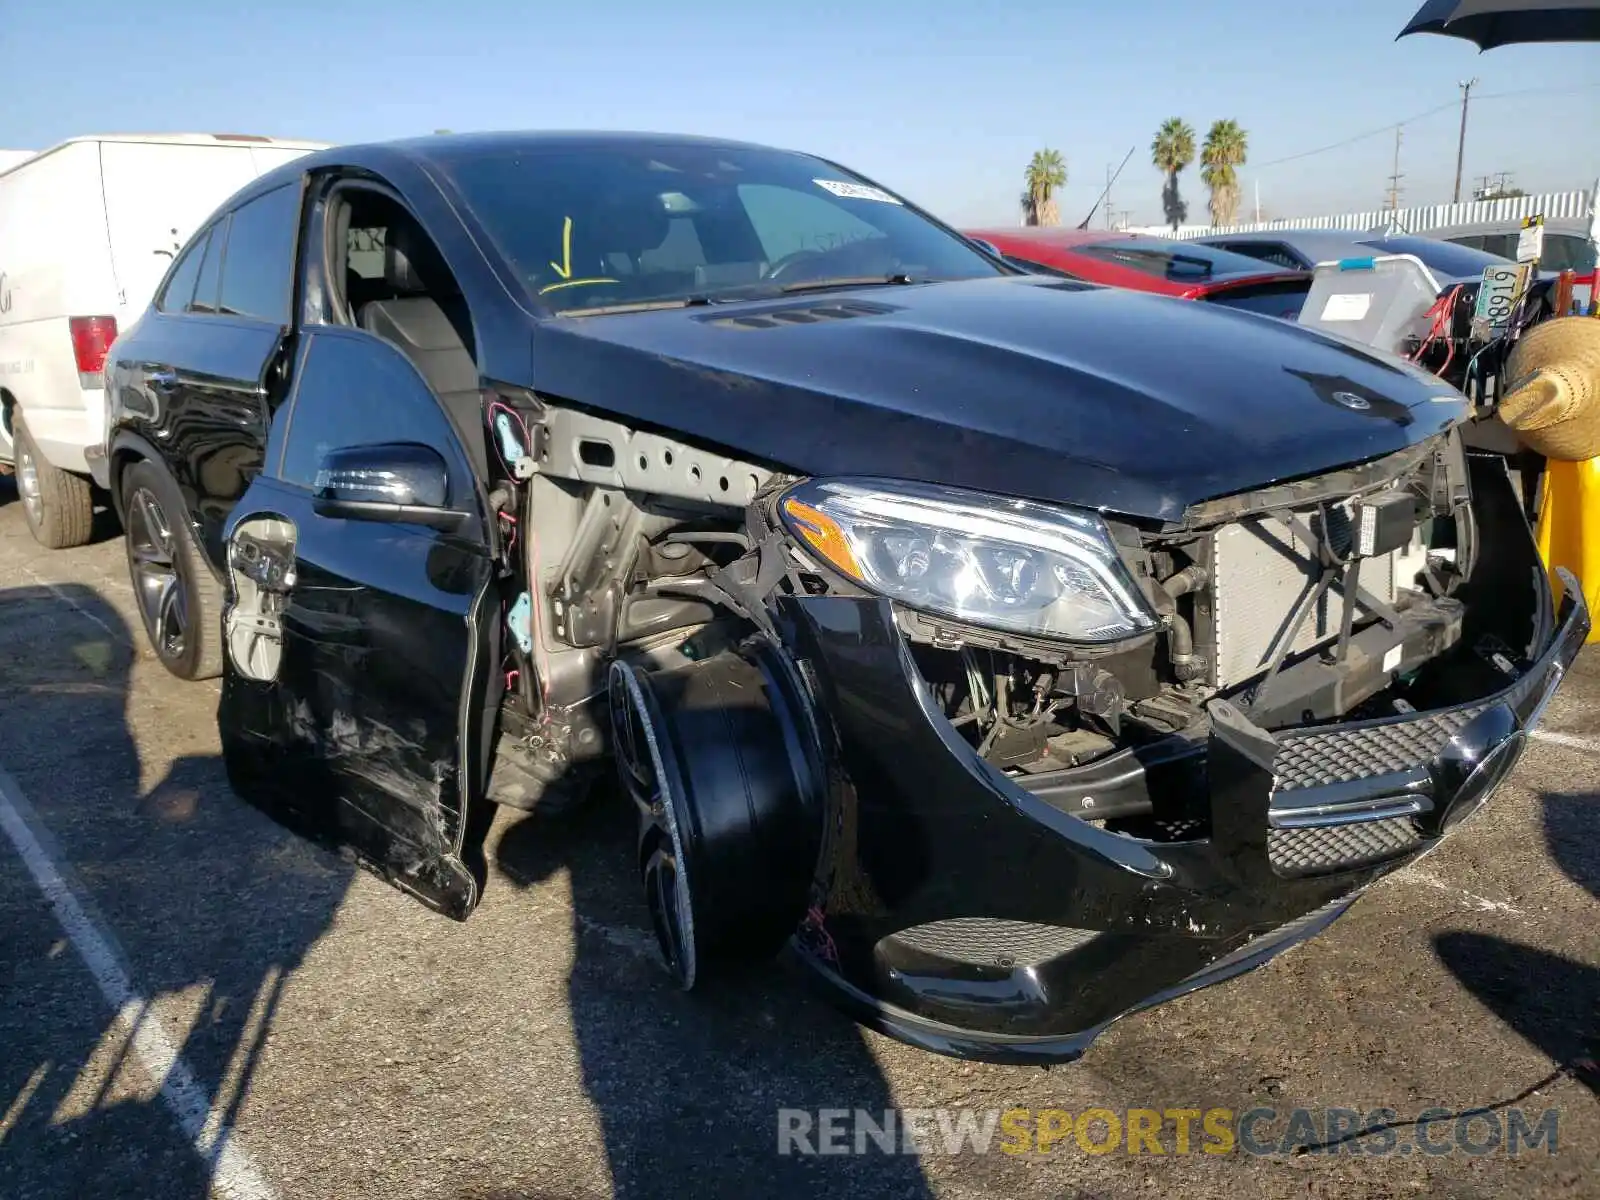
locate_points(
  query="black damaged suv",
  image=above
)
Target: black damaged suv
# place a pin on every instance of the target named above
(1015, 652)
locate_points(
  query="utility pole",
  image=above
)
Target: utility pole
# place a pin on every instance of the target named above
(1466, 86)
(1394, 179)
(1108, 196)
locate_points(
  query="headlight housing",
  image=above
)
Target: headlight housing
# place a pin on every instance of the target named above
(999, 563)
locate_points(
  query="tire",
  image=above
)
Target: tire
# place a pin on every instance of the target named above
(721, 763)
(58, 505)
(179, 600)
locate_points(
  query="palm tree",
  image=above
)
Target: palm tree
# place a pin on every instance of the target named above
(1046, 172)
(1172, 151)
(1225, 149)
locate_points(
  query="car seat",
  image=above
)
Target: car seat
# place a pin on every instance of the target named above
(428, 320)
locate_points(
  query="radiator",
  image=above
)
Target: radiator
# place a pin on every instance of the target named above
(1261, 570)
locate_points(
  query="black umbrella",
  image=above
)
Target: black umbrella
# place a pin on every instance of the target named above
(1492, 23)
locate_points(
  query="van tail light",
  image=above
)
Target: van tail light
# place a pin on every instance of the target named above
(91, 339)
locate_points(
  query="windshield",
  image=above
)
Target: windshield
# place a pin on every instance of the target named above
(1181, 262)
(597, 227)
(1445, 258)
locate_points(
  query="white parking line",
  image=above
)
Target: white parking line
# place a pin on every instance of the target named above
(66, 599)
(233, 1173)
(1571, 741)
(1470, 900)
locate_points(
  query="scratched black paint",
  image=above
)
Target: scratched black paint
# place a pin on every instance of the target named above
(376, 732)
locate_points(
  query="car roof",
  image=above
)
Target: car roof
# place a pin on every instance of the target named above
(441, 148)
(1327, 244)
(1314, 242)
(1508, 225)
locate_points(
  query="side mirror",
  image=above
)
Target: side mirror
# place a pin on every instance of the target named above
(403, 482)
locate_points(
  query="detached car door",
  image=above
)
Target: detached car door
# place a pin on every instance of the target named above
(358, 625)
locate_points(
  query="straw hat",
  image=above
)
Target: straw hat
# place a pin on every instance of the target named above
(1552, 390)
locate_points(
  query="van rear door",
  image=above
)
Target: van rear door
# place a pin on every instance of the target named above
(159, 193)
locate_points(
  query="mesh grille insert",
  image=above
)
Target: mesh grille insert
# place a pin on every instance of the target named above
(1342, 847)
(983, 941)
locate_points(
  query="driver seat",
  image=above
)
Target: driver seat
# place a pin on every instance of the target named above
(428, 321)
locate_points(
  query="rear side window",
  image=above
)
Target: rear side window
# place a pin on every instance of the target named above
(179, 290)
(1503, 244)
(258, 273)
(1269, 252)
(1564, 252)
(205, 291)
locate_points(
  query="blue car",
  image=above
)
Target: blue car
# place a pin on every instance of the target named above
(1303, 249)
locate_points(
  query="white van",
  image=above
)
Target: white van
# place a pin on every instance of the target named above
(87, 229)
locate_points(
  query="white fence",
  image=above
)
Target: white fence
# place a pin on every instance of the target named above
(1554, 206)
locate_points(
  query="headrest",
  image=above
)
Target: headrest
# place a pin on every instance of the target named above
(411, 264)
(631, 224)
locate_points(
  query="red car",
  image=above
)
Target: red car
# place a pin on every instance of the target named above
(1152, 264)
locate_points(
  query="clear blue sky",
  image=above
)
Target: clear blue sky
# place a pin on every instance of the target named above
(944, 100)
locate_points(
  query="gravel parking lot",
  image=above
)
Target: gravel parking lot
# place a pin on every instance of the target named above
(192, 998)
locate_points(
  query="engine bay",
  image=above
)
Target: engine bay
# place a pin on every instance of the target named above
(1308, 601)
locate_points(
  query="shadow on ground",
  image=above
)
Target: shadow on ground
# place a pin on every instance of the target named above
(1572, 833)
(212, 904)
(215, 906)
(689, 1087)
(1551, 1001)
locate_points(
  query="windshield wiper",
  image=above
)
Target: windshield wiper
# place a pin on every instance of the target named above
(640, 306)
(814, 285)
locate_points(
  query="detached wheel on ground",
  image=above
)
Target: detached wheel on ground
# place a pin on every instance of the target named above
(720, 761)
(179, 599)
(58, 505)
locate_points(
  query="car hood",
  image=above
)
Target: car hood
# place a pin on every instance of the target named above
(1111, 399)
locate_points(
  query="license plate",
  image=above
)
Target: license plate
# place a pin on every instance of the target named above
(1497, 296)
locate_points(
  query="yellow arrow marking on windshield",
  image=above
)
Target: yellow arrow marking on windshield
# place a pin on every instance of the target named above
(564, 268)
(566, 251)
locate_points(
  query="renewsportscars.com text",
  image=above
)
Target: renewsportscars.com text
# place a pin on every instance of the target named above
(1166, 1131)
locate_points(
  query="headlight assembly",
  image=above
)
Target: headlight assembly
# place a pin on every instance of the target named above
(1003, 564)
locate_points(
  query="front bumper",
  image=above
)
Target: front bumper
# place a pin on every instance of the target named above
(958, 911)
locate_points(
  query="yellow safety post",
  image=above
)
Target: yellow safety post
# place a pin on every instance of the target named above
(1552, 400)
(1569, 527)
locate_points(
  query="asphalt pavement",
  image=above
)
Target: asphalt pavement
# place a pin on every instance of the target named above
(194, 1001)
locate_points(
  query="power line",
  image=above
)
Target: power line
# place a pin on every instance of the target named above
(1392, 125)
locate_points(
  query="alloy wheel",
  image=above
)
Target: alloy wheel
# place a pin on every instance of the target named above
(157, 581)
(28, 485)
(648, 782)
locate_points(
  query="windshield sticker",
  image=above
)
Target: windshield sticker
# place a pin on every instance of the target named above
(855, 191)
(1348, 306)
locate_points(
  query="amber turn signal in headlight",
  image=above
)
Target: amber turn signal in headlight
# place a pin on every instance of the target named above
(1003, 564)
